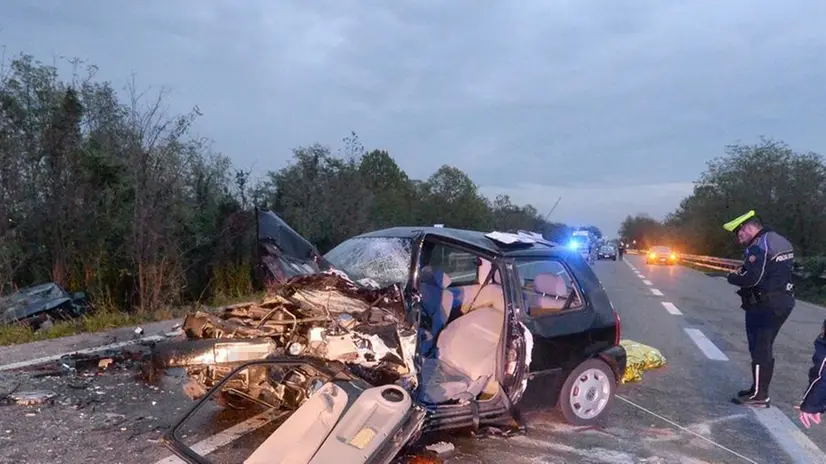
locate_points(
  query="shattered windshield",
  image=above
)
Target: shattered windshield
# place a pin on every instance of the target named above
(384, 260)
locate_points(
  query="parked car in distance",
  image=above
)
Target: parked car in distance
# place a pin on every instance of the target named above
(607, 252)
(661, 255)
(484, 322)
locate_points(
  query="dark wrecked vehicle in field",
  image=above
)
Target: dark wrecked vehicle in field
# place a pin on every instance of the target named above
(400, 332)
(41, 304)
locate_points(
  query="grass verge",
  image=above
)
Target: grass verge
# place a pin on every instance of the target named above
(101, 319)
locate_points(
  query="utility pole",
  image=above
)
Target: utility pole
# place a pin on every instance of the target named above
(553, 208)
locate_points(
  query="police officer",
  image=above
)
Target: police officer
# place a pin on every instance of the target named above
(814, 400)
(766, 293)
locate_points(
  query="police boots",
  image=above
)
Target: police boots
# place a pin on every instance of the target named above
(750, 390)
(758, 394)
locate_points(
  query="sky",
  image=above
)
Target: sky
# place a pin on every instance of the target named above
(615, 109)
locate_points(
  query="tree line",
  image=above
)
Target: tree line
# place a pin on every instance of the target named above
(118, 198)
(787, 188)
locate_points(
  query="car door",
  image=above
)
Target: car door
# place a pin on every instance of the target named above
(559, 327)
(518, 347)
(513, 349)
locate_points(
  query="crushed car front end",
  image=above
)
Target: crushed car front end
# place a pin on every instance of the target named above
(341, 417)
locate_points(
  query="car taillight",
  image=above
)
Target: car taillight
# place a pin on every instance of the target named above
(619, 328)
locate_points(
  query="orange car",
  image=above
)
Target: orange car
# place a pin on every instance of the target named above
(661, 255)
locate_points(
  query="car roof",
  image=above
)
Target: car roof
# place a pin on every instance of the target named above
(475, 238)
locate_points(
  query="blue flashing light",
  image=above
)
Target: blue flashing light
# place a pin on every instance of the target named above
(573, 244)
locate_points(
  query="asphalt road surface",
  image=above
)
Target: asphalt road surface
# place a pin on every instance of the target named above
(678, 414)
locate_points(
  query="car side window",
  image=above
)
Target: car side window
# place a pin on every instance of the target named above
(460, 266)
(547, 287)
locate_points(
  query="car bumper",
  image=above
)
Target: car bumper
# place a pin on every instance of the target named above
(659, 260)
(617, 358)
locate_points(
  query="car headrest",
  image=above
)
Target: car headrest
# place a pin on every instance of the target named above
(437, 277)
(550, 284)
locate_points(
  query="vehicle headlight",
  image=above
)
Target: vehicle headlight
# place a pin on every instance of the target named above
(652, 255)
(673, 256)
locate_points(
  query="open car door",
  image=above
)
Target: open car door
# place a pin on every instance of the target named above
(331, 416)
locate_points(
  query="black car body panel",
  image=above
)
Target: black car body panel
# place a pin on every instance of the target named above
(282, 252)
(34, 304)
(562, 341)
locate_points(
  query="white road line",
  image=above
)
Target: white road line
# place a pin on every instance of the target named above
(656, 292)
(789, 436)
(640, 276)
(671, 308)
(647, 282)
(111, 346)
(210, 444)
(705, 345)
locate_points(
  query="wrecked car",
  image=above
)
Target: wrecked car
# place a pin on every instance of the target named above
(41, 304)
(405, 331)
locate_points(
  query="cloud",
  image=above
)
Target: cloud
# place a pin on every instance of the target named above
(577, 96)
(602, 206)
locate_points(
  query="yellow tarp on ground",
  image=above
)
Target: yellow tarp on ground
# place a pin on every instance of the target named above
(641, 358)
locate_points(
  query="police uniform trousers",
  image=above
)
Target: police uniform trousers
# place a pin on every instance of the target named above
(763, 322)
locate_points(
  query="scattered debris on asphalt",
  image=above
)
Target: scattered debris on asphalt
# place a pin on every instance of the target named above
(30, 398)
(442, 449)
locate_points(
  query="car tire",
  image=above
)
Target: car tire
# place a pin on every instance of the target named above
(597, 377)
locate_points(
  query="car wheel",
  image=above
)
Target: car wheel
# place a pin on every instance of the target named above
(587, 393)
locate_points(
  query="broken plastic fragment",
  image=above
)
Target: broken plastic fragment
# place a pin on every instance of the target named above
(441, 448)
(32, 397)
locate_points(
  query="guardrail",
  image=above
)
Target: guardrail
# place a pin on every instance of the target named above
(724, 264)
(720, 264)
